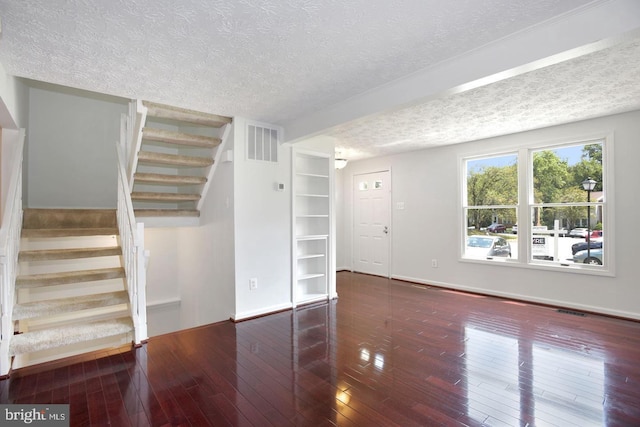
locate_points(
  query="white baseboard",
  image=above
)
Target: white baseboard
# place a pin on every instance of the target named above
(261, 312)
(527, 298)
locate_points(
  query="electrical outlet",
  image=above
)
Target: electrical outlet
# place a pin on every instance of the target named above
(253, 284)
(434, 263)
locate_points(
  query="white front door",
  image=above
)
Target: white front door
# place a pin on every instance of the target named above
(371, 226)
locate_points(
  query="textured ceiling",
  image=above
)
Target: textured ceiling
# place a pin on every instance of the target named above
(277, 60)
(601, 83)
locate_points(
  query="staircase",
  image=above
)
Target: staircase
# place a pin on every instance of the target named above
(173, 160)
(71, 292)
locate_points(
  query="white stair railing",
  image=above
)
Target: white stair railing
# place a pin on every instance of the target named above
(133, 253)
(136, 120)
(9, 248)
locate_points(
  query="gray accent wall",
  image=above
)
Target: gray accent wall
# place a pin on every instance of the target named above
(71, 150)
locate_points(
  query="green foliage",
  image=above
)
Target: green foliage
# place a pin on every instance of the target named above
(555, 181)
(550, 176)
(491, 186)
(590, 166)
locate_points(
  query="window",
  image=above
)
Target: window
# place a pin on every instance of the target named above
(552, 221)
(562, 212)
(491, 202)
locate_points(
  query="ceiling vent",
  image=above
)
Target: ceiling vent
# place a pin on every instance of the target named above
(262, 144)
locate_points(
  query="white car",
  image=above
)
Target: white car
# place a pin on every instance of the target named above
(483, 247)
(578, 232)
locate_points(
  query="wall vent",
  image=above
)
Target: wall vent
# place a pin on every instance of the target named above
(262, 144)
(572, 312)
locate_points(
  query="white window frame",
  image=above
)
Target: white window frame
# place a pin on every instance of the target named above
(466, 207)
(526, 202)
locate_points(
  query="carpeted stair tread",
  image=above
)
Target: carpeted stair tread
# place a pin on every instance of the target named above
(66, 277)
(183, 115)
(65, 335)
(164, 197)
(68, 232)
(158, 178)
(75, 253)
(69, 218)
(166, 213)
(179, 138)
(174, 159)
(51, 307)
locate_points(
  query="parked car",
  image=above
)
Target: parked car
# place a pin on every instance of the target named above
(514, 229)
(497, 228)
(487, 246)
(595, 236)
(582, 246)
(578, 232)
(593, 256)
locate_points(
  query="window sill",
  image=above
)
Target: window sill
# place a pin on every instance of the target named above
(568, 267)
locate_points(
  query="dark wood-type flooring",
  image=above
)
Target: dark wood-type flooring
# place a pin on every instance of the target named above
(386, 353)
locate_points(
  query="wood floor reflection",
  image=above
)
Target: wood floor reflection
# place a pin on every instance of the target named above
(386, 353)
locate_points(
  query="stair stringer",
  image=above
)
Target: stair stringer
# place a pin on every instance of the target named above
(212, 169)
(138, 116)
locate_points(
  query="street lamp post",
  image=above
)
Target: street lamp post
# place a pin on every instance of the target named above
(588, 185)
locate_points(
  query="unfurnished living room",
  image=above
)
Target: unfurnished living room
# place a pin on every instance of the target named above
(330, 213)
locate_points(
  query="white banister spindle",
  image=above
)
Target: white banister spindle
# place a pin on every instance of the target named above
(141, 279)
(132, 242)
(9, 248)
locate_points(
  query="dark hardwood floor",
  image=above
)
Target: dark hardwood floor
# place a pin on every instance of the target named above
(386, 353)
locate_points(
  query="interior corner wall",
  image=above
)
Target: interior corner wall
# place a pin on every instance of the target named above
(163, 281)
(428, 227)
(71, 149)
(14, 95)
(14, 104)
(191, 272)
(206, 254)
(342, 260)
(262, 229)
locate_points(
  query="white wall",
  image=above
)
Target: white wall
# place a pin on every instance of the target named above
(206, 255)
(262, 229)
(191, 274)
(13, 101)
(71, 149)
(342, 259)
(163, 281)
(427, 182)
(14, 104)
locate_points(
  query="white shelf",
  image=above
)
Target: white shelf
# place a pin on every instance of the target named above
(311, 207)
(310, 276)
(311, 195)
(312, 237)
(312, 175)
(309, 256)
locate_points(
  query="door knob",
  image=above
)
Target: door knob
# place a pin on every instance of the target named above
(386, 230)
